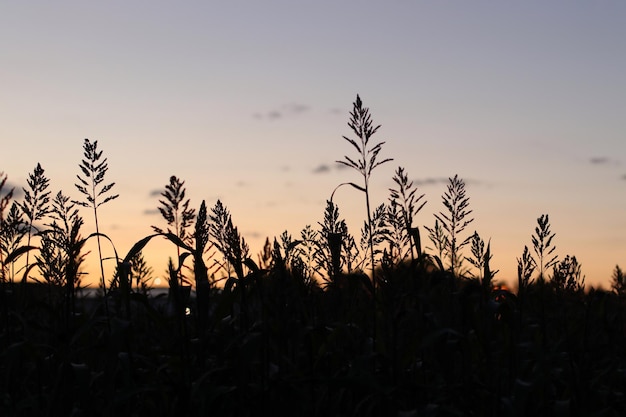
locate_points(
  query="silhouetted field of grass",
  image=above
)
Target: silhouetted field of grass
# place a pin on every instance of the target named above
(323, 324)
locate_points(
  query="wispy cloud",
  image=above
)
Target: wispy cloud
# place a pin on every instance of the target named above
(286, 110)
(603, 160)
(599, 160)
(321, 169)
(429, 181)
(151, 212)
(324, 168)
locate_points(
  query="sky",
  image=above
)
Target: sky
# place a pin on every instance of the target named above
(247, 102)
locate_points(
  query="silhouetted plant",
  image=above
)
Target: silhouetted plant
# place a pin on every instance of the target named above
(542, 244)
(373, 233)
(525, 267)
(454, 220)
(567, 275)
(201, 274)
(91, 186)
(618, 281)
(304, 252)
(141, 273)
(36, 201)
(480, 259)
(328, 254)
(441, 244)
(397, 238)
(227, 239)
(176, 212)
(5, 199)
(409, 205)
(265, 256)
(61, 256)
(361, 124)
(12, 232)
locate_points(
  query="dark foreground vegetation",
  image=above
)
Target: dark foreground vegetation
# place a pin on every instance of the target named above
(317, 325)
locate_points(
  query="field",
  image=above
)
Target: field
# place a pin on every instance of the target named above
(400, 321)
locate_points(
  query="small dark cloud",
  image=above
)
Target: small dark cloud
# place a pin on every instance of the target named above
(336, 111)
(599, 160)
(324, 168)
(297, 108)
(253, 234)
(285, 168)
(603, 160)
(274, 114)
(241, 184)
(151, 212)
(425, 182)
(285, 110)
(155, 193)
(321, 169)
(624, 177)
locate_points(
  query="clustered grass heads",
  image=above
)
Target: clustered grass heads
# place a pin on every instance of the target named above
(201, 273)
(36, 201)
(526, 266)
(618, 281)
(61, 254)
(441, 245)
(361, 124)
(542, 244)
(141, 273)
(227, 240)
(481, 256)
(409, 204)
(95, 191)
(12, 232)
(331, 235)
(373, 234)
(454, 221)
(176, 212)
(304, 257)
(5, 200)
(567, 275)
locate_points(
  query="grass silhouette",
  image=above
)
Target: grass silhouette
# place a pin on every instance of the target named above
(305, 330)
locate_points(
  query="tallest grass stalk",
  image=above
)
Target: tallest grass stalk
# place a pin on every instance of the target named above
(91, 187)
(361, 124)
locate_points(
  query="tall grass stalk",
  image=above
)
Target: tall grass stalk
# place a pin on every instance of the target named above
(542, 244)
(95, 193)
(410, 204)
(36, 199)
(176, 212)
(455, 219)
(5, 199)
(361, 124)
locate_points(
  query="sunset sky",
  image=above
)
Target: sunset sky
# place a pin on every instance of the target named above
(247, 101)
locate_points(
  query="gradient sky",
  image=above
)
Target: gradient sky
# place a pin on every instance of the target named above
(247, 102)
